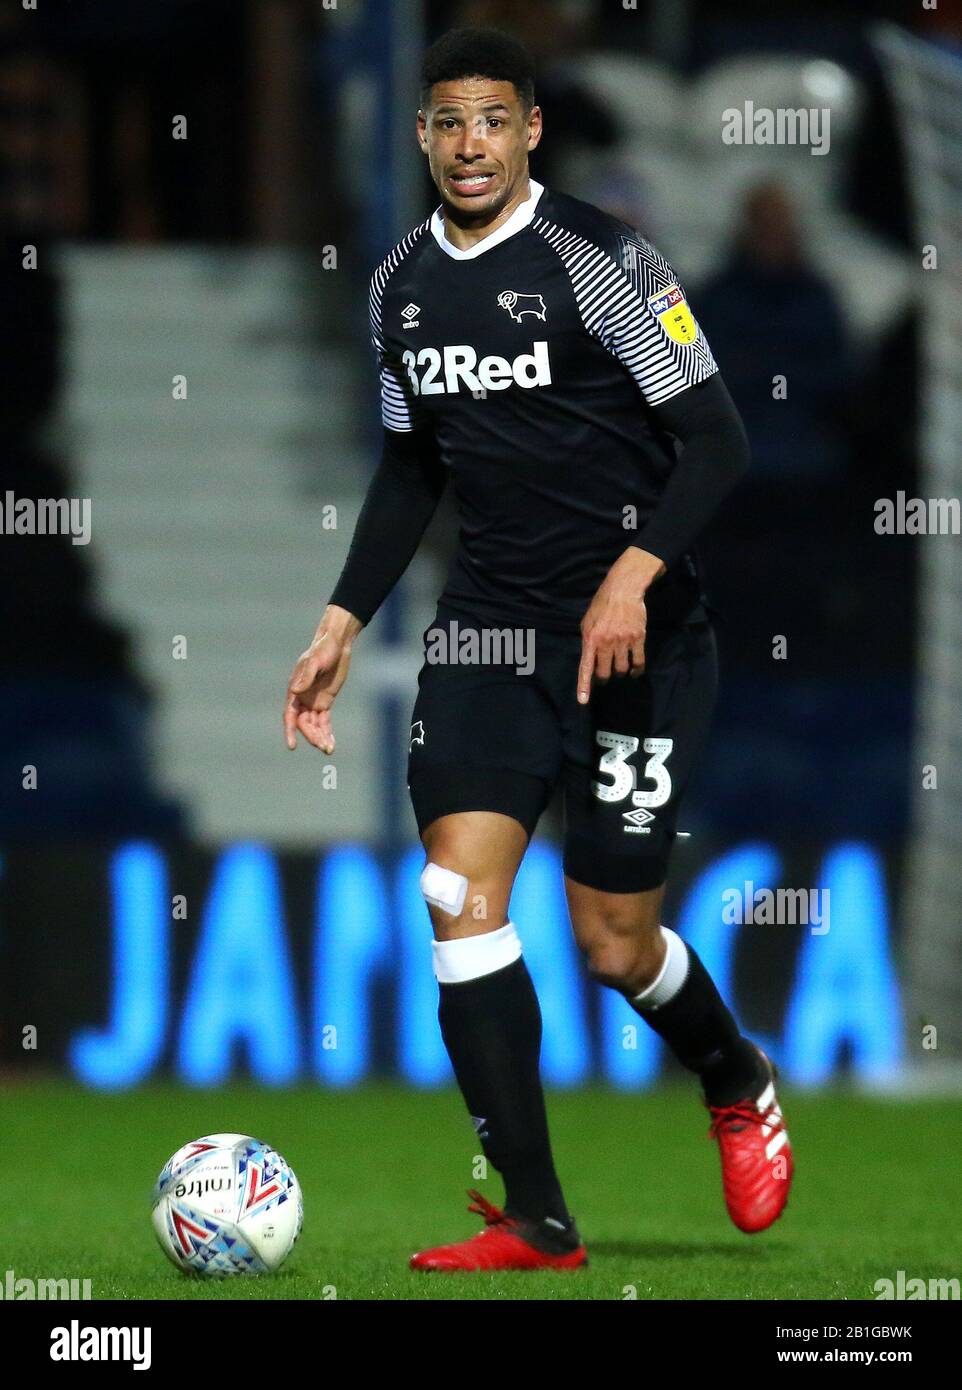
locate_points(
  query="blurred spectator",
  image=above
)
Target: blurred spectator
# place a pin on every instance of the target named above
(778, 334)
(768, 313)
(788, 555)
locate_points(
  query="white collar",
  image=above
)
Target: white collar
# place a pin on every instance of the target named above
(521, 216)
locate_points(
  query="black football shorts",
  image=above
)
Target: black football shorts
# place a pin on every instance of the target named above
(489, 734)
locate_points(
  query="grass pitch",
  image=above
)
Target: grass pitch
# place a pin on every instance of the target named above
(384, 1172)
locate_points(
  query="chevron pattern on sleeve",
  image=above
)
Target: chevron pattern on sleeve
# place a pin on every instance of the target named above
(398, 407)
(614, 301)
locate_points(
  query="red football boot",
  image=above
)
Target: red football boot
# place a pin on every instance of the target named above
(756, 1157)
(507, 1242)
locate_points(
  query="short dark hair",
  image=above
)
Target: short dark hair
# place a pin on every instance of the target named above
(478, 53)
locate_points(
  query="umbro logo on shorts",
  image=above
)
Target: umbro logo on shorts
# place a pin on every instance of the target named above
(417, 734)
(638, 821)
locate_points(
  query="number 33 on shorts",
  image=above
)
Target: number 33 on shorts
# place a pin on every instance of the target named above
(614, 763)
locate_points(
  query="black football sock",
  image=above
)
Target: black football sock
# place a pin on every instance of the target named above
(698, 1027)
(491, 1027)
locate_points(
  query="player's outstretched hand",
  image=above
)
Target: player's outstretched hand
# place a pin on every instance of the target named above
(613, 629)
(318, 675)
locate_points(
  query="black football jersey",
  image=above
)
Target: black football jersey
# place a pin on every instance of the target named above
(536, 357)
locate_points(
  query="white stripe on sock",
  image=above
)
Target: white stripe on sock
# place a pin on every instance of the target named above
(671, 976)
(470, 957)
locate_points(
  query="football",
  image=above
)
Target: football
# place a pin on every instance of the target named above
(227, 1204)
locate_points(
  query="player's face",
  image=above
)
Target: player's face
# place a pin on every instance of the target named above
(476, 135)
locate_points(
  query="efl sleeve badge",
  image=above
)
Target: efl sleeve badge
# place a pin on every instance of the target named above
(670, 308)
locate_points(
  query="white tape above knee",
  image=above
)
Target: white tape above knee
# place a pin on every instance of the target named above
(470, 957)
(671, 976)
(444, 888)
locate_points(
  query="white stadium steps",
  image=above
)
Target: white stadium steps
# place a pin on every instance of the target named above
(208, 518)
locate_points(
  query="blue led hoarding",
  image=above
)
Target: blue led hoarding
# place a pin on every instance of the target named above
(246, 1007)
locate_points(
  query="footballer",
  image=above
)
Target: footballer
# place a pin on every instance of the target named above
(540, 356)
